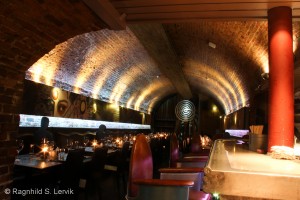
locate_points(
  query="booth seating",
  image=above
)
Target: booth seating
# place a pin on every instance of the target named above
(196, 150)
(190, 168)
(197, 160)
(195, 144)
(142, 186)
(194, 174)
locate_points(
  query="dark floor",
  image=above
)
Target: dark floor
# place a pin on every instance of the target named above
(111, 186)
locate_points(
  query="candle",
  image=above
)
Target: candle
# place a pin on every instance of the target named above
(45, 150)
(94, 143)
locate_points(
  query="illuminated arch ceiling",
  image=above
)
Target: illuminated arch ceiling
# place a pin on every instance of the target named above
(114, 66)
(122, 66)
(106, 65)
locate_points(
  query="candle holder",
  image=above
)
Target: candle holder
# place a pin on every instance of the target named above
(45, 149)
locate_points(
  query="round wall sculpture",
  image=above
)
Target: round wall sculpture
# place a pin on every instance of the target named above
(185, 110)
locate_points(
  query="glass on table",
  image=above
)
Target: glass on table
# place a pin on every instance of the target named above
(86, 141)
(31, 149)
(76, 144)
(69, 144)
(51, 145)
(20, 145)
(44, 141)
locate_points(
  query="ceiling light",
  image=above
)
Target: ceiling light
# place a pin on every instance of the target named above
(212, 45)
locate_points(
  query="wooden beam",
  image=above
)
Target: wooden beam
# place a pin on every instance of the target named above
(173, 11)
(105, 10)
(166, 3)
(187, 16)
(155, 41)
(205, 7)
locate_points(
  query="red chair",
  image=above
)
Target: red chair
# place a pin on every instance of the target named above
(142, 186)
(197, 160)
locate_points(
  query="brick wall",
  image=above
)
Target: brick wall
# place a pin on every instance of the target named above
(11, 91)
(28, 30)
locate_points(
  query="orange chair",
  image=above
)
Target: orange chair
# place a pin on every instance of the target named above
(142, 186)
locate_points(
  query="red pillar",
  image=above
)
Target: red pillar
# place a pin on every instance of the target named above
(281, 77)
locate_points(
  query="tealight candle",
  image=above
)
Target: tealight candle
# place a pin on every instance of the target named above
(94, 143)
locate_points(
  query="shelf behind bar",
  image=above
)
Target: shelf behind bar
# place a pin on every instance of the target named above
(59, 122)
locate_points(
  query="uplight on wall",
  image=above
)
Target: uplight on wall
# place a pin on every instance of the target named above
(235, 118)
(214, 108)
(54, 93)
(94, 108)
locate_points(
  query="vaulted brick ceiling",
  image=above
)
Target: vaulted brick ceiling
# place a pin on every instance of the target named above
(149, 60)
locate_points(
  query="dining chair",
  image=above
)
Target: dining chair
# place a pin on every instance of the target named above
(28, 139)
(141, 184)
(123, 164)
(93, 189)
(71, 172)
(118, 164)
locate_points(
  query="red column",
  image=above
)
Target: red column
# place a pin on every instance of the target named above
(281, 77)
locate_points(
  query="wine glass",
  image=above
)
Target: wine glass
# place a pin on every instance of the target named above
(51, 145)
(20, 145)
(85, 141)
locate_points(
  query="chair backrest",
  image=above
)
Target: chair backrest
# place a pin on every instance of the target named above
(141, 163)
(125, 149)
(99, 160)
(174, 150)
(28, 139)
(72, 168)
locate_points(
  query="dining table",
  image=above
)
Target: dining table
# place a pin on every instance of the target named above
(34, 161)
(38, 163)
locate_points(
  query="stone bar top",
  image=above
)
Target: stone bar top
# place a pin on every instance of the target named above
(235, 172)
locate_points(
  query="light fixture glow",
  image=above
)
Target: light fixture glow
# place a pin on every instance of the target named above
(235, 118)
(94, 108)
(59, 122)
(55, 93)
(214, 108)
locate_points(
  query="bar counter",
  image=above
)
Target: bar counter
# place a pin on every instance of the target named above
(234, 172)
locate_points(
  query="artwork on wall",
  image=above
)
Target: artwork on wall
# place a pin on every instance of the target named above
(71, 105)
(47, 101)
(44, 100)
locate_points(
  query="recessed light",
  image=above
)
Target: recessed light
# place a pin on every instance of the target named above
(212, 45)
